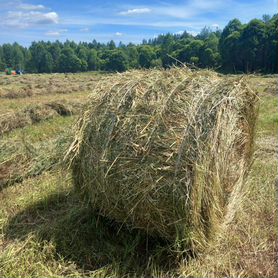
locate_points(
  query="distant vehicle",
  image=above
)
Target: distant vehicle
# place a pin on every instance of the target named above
(10, 71)
(20, 72)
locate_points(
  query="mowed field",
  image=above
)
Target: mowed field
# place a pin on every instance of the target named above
(46, 231)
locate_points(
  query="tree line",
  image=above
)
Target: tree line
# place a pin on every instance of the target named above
(250, 47)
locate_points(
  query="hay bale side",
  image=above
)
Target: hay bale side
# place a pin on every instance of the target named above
(165, 151)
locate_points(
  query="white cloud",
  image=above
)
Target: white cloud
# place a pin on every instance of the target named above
(31, 7)
(84, 29)
(26, 19)
(118, 34)
(136, 11)
(56, 33)
(46, 18)
(53, 33)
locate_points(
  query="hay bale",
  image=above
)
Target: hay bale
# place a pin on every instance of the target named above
(166, 151)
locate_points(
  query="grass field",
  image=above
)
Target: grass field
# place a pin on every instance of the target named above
(45, 231)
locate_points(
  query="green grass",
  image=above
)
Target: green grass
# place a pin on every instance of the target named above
(268, 121)
(34, 149)
(47, 231)
(43, 130)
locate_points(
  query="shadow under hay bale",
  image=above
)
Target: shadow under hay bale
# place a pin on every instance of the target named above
(87, 239)
(166, 152)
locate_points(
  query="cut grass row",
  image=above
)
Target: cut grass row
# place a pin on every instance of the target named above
(34, 149)
(13, 105)
(45, 231)
(34, 114)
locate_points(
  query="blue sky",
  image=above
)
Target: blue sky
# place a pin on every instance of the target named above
(25, 21)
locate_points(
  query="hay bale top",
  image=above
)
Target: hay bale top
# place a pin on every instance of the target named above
(164, 150)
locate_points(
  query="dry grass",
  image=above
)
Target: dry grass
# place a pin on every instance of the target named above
(46, 231)
(21, 114)
(25, 86)
(32, 114)
(33, 150)
(29, 99)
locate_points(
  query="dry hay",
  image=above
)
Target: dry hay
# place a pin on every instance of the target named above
(60, 108)
(20, 158)
(36, 113)
(13, 94)
(12, 120)
(29, 115)
(166, 151)
(271, 89)
(26, 86)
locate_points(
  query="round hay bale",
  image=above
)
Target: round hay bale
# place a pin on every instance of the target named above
(166, 151)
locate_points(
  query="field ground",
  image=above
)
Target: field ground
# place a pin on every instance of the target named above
(45, 231)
